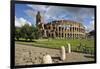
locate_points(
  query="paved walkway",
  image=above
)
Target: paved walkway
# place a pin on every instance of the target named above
(27, 55)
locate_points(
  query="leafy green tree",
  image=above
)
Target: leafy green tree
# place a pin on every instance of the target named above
(30, 32)
(26, 32)
(17, 33)
(36, 33)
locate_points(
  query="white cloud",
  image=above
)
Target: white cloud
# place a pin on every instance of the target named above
(19, 22)
(90, 27)
(85, 27)
(50, 13)
(92, 24)
(42, 8)
(47, 12)
(30, 13)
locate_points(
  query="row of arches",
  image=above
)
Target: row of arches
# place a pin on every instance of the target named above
(72, 35)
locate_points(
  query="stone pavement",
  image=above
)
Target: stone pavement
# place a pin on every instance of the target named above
(28, 55)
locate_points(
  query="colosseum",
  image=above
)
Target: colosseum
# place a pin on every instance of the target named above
(60, 28)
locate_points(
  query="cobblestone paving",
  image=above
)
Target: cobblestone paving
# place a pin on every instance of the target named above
(29, 55)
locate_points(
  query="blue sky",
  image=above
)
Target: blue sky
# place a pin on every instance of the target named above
(26, 13)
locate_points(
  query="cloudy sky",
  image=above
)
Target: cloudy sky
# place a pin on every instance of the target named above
(26, 13)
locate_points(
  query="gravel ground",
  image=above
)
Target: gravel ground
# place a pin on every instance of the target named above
(27, 55)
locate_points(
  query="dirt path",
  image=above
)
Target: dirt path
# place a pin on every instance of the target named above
(27, 55)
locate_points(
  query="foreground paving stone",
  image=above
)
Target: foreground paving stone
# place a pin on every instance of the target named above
(33, 55)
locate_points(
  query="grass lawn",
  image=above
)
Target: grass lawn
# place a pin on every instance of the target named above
(63, 42)
(57, 43)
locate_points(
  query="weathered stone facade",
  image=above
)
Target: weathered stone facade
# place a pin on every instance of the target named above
(60, 28)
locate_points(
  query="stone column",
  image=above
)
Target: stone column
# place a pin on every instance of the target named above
(47, 59)
(63, 53)
(69, 48)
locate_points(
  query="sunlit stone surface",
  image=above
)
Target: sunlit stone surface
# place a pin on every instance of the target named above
(47, 59)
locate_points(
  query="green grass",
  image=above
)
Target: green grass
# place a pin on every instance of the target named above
(57, 43)
(63, 42)
(52, 42)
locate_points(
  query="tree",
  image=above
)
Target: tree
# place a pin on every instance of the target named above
(17, 33)
(30, 32)
(26, 32)
(36, 33)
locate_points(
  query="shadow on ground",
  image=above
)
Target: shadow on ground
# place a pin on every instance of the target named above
(25, 40)
(89, 56)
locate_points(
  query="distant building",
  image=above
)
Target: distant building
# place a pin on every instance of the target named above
(60, 28)
(91, 34)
